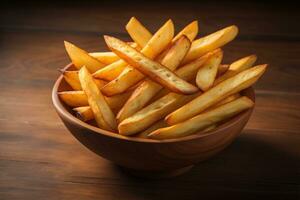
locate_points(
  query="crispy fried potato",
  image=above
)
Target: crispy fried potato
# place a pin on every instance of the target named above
(154, 70)
(226, 100)
(206, 75)
(104, 116)
(190, 31)
(84, 113)
(144, 93)
(210, 42)
(152, 113)
(73, 98)
(153, 127)
(224, 89)
(138, 32)
(154, 47)
(105, 57)
(236, 67)
(78, 99)
(222, 69)
(81, 58)
(204, 120)
(210, 128)
(72, 79)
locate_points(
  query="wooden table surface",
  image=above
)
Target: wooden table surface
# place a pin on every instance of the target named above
(40, 159)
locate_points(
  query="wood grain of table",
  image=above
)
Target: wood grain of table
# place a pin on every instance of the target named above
(39, 159)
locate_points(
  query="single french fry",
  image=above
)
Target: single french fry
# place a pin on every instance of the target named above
(144, 93)
(204, 120)
(154, 70)
(72, 79)
(81, 58)
(105, 57)
(153, 127)
(110, 57)
(152, 113)
(226, 100)
(190, 31)
(78, 99)
(138, 32)
(210, 42)
(236, 67)
(222, 69)
(73, 98)
(224, 89)
(154, 47)
(84, 113)
(104, 116)
(206, 75)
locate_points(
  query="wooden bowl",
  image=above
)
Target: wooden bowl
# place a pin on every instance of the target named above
(147, 157)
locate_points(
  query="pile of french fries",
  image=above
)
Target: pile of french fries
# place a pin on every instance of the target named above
(161, 85)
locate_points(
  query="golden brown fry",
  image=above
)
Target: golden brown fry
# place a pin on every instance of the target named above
(153, 127)
(210, 42)
(190, 31)
(73, 98)
(222, 69)
(154, 47)
(226, 100)
(104, 116)
(206, 75)
(224, 89)
(138, 32)
(152, 113)
(81, 58)
(84, 113)
(236, 67)
(204, 120)
(105, 57)
(78, 99)
(154, 70)
(144, 93)
(72, 79)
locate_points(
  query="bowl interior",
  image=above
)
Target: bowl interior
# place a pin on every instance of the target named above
(66, 111)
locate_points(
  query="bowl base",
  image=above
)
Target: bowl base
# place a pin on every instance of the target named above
(157, 174)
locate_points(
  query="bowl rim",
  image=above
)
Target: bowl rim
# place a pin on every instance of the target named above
(71, 118)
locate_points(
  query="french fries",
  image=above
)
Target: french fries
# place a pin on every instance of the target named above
(72, 79)
(224, 89)
(206, 75)
(104, 116)
(81, 58)
(144, 93)
(78, 99)
(138, 32)
(154, 70)
(154, 47)
(105, 57)
(84, 113)
(204, 120)
(210, 42)
(236, 67)
(124, 80)
(152, 113)
(150, 83)
(153, 127)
